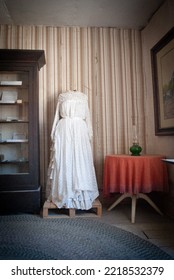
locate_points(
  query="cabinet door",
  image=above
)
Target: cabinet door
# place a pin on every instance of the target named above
(14, 123)
(19, 130)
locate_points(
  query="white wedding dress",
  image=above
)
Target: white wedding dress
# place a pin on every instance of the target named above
(71, 175)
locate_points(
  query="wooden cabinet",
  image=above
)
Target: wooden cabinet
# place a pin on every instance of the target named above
(19, 132)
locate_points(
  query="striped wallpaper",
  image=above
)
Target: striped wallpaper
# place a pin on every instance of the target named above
(104, 63)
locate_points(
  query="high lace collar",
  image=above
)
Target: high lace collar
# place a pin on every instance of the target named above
(72, 95)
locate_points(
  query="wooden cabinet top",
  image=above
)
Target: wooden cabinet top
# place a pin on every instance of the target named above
(23, 56)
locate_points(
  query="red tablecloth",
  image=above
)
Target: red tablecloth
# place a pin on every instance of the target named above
(134, 174)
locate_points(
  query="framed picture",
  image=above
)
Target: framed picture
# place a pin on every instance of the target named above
(162, 55)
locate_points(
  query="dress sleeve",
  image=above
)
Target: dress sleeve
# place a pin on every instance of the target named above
(56, 120)
(88, 122)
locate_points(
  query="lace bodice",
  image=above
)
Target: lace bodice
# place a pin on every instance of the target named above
(72, 104)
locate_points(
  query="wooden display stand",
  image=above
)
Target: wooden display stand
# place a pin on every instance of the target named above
(71, 213)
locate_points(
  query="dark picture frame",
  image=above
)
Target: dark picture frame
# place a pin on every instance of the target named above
(162, 57)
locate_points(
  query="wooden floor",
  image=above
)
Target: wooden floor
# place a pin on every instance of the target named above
(148, 224)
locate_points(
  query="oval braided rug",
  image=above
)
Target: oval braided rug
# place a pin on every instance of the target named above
(33, 238)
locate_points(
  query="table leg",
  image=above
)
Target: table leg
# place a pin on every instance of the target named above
(123, 196)
(145, 197)
(134, 198)
(133, 210)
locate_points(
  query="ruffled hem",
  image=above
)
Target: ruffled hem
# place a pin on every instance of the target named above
(83, 201)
